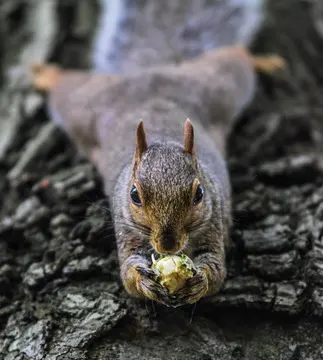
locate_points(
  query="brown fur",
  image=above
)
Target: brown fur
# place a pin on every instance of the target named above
(141, 144)
(45, 76)
(166, 169)
(188, 137)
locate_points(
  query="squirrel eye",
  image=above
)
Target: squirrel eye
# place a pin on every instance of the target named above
(198, 195)
(135, 196)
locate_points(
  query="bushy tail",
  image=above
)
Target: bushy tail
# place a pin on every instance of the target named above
(132, 35)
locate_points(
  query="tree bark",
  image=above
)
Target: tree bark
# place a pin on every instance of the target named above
(60, 292)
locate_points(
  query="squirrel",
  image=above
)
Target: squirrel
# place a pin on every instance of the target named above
(157, 136)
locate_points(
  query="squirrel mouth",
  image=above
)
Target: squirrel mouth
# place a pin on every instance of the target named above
(169, 242)
(175, 249)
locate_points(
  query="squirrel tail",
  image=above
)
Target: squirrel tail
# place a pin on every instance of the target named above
(140, 34)
(239, 22)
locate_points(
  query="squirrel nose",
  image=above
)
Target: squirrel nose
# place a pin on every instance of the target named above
(168, 243)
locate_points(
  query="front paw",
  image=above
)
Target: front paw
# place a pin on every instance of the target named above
(147, 285)
(195, 288)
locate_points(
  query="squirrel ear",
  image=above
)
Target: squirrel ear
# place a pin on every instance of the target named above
(141, 144)
(188, 137)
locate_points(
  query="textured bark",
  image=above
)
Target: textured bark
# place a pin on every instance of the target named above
(60, 293)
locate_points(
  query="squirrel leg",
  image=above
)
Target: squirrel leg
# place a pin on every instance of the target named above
(75, 120)
(228, 74)
(73, 111)
(140, 281)
(268, 64)
(45, 76)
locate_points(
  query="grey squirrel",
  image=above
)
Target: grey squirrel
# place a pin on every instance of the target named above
(166, 177)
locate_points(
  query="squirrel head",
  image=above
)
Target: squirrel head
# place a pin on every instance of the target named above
(166, 193)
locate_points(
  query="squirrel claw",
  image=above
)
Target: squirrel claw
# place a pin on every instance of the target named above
(144, 271)
(148, 286)
(194, 289)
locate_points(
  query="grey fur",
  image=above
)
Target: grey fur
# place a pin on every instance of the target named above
(103, 115)
(158, 32)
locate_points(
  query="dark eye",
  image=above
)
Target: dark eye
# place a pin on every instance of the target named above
(198, 195)
(135, 196)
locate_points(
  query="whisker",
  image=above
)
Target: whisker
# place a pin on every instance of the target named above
(108, 237)
(140, 225)
(110, 225)
(144, 229)
(154, 310)
(196, 225)
(150, 251)
(128, 223)
(89, 201)
(192, 314)
(135, 227)
(147, 308)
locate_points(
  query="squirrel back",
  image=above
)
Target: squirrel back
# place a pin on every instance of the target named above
(133, 35)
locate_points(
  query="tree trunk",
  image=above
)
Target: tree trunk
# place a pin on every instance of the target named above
(60, 292)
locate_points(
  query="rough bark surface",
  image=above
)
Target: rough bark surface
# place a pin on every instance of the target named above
(60, 294)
